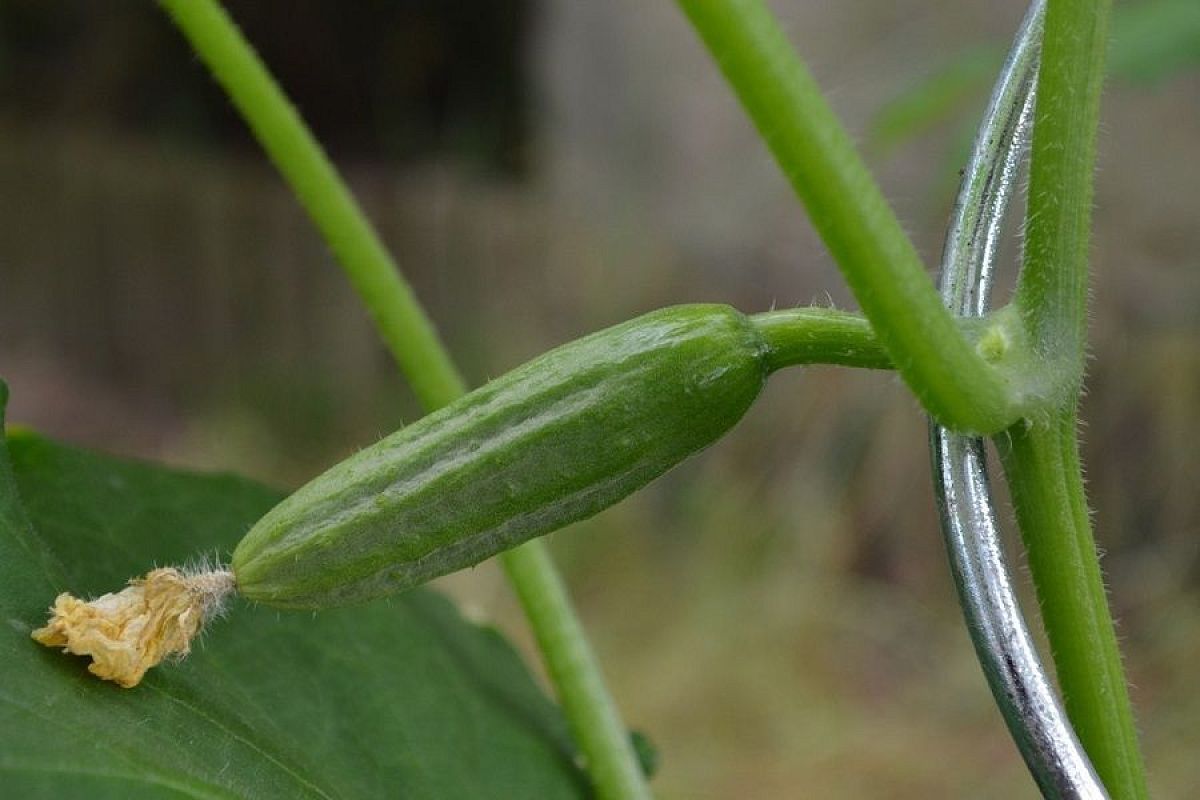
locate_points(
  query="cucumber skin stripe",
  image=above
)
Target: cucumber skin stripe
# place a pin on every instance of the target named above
(554, 441)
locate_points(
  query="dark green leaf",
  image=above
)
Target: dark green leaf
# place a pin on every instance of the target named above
(398, 699)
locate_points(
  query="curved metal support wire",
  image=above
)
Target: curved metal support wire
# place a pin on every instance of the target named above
(1003, 645)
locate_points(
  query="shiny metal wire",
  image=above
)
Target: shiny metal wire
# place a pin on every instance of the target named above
(1010, 662)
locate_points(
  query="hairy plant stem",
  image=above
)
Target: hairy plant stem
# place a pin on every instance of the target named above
(956, 385)
(953, 379)
(1042, 464)
(799, 336)
(411, 337)
(1052, 289)
(1041, 457)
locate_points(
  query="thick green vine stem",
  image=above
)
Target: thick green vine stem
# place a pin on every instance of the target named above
(1041, 457)
(409, 334)
(959, 387)
(1045, 476)
(1038, 360)
(1052, 291)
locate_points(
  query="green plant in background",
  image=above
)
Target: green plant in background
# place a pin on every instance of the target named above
(1151, 40)
(407, 698)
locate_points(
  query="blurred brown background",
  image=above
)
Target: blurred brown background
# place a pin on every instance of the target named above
(777, 613)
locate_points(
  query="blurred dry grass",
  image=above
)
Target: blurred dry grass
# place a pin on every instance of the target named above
(776, 614)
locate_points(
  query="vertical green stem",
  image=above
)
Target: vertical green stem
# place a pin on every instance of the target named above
(568, 656)
(1052, 292)
(1045, 475)
(847, 208)
(411, 337)
(1041, 458)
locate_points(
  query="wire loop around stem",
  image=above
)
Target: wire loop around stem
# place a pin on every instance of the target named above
(1005, 649)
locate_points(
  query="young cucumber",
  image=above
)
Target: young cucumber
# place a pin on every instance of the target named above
(554, 441)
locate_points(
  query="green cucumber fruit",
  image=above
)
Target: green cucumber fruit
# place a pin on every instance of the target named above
(552, 442)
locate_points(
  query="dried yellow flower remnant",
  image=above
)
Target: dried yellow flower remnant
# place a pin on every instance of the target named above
(130, 631)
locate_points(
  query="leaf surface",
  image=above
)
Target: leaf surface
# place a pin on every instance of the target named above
(396, 699)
